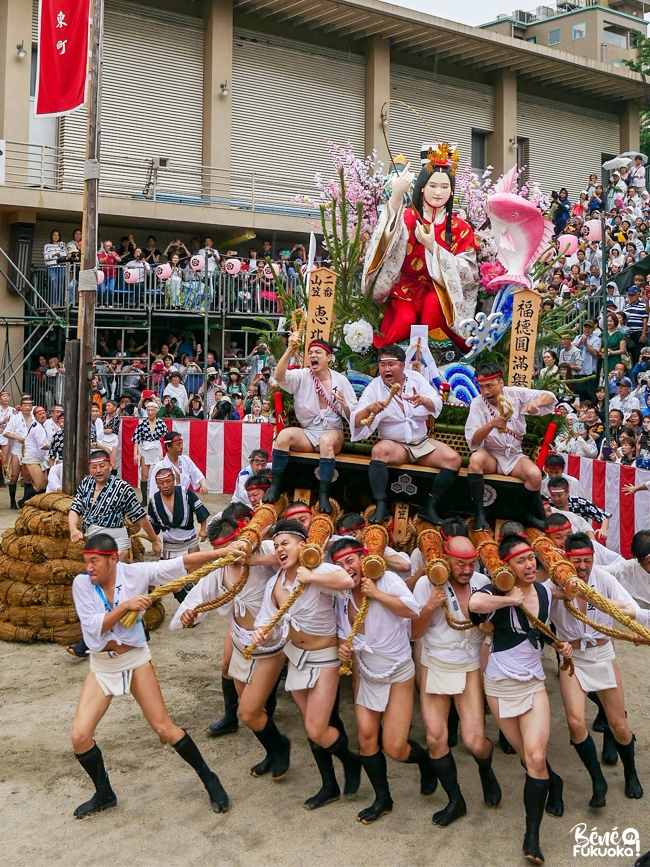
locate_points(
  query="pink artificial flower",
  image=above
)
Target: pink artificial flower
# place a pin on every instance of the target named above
(490, 270)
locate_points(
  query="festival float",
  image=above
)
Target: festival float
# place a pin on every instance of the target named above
(446, 264)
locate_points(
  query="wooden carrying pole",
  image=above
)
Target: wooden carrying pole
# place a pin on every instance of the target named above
(90, 227)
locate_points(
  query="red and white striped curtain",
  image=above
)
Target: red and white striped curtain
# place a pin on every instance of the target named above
(603, 484)
(220, 449)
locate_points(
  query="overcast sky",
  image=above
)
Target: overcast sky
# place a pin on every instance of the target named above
(468, 11)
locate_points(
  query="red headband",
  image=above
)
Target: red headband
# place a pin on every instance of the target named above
(298, 510)
(97, 551)
(98, 460)
(516, 553)
(580, 552)
(491, 376)
(346, 551)
(322, 344)
(461, 556)
(261, 487)
(566, 526)
(219, 542)
(355, 527)
(523, 536)
(174, 440)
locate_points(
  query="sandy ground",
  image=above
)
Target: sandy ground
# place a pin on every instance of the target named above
(163, 818)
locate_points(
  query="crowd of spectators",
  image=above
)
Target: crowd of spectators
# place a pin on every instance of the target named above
(576, 367)
(172, 375)
(250, 287)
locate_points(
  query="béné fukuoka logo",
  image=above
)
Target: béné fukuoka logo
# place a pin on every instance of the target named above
(610, 844)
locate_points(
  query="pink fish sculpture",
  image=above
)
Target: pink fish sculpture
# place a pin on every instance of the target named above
(521, 232)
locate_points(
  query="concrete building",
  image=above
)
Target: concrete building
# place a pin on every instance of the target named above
(603, 31)
(216, 114)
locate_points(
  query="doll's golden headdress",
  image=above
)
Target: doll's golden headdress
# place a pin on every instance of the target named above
(442, 154)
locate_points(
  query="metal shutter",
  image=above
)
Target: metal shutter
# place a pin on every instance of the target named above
(565, 143)
(152, 103)
(451, 109)
(288, 99)
(35, 21)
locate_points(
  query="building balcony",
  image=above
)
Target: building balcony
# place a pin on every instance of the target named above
(51, 178)
(246, 294)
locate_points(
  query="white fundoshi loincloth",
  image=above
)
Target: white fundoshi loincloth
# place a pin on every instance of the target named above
(593, 667)
(242, 669)
(515, 696)
(115, 670)
(446, 678)
(305, 665)
(376, 674)
(150, 452)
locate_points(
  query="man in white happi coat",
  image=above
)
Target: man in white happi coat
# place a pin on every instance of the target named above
(634, 574)
(494, 431)
(558, 526)
(402, 425)
(186, 472)
(322, 397)
(451, 661)
(385, 674)
(596, 669)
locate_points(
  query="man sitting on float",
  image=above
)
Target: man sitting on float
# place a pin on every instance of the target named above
(322, 397)
(398, 404)
(494, 431)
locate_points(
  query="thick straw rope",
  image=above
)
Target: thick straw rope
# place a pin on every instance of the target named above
(227, 596)
(552, 558)
(279, 614)
(130, 618)
(503, 579)
(311, 556)
(375, 539)
(459, 625)
(610, 631)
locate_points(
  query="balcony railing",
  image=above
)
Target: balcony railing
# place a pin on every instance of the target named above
(244, 294)
(177, 182)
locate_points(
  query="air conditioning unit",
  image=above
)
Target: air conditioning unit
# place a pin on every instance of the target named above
(521, 15)
(544, 12)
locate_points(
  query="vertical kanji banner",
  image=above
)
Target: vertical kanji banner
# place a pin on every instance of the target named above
(62, 55)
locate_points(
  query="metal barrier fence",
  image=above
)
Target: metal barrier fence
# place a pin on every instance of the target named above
(245, 293)
(177, 181)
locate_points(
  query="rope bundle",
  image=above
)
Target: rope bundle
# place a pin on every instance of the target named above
(130, 618)
(563, 573)
(375, 539)
(227, 596)
(488, 553)
(311, 556)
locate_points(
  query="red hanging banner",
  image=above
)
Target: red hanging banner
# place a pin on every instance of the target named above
(62, 55)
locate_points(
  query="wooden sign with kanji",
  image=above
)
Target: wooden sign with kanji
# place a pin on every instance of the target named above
(322, 288)
(523, 337)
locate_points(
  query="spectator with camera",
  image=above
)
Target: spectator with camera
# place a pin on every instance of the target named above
(133, 380)
(151, 253)
(194, 408)
(169, 408)
(210, 397)
(52, 253)
(139, 264)
(175, 388)
(108, 259)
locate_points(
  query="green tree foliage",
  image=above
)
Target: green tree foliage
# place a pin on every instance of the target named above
(642, 66)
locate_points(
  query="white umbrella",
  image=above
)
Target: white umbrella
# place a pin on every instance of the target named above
(633, 154)
(617, 163)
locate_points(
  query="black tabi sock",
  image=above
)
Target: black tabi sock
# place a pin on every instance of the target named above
(420, 756)
(535, 794)
(445, 768)
(588, 754)
(476, 485)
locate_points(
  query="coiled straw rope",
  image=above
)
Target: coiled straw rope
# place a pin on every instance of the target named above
(227, 596)
(279, 614)
(563, 573)
(504, 579)
(131, 617)
(373, 566)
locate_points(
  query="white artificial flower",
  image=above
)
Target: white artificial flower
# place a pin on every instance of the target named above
(358, 335)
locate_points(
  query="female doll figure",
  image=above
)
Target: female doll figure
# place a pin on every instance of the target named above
(421, 260)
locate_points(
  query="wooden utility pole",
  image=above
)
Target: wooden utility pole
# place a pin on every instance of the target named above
(88, 272)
